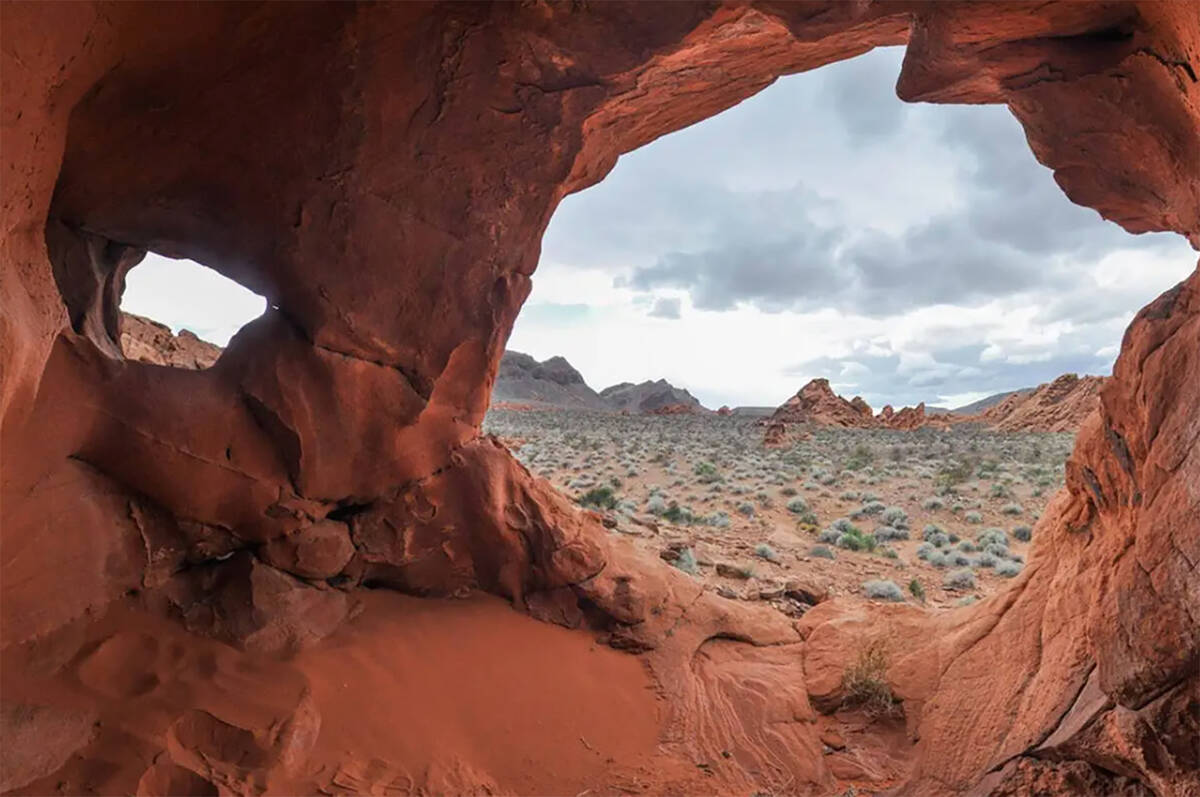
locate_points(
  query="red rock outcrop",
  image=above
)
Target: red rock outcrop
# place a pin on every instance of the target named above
(724, 410)
(1058, 406)
(151, 342)
(383, 174)
(906, 418)
(817, 404)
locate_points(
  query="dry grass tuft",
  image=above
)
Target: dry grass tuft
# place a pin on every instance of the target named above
(865, 683)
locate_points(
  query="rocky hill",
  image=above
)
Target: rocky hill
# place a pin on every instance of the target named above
(552, 382)
(151, 342)
(651, 397)
(1058, 406)
(976, 407)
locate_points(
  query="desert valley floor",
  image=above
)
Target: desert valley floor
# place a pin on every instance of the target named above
(945, 515)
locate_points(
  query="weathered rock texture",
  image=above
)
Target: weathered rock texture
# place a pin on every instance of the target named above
(1058, 406)
(382, 174)
(151, 342)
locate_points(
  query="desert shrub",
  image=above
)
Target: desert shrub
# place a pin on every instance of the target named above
(958, 558)
(996, 550)
(886, 552)
(600, 498)
(966, 546)
(865, 681)
(788, 492)
(1011, 509)
(1022, 533)
(991, 536)
(916, 590)
(797, 506)
(882, 590)
(656, 505)
(974, 517)
(965, 600)
(872, 508)
(868, 497)
(821, 552)
(935, 537)
(885, 533)
(746, 508)
(925, 550)
(829, 535)
(764, 551)
(848, 495)
(686, 561)
(939, 560)
(843, 524)
(986, 559)
(933, 503)
(895, 516)
(811, 486)
(960, 579)
(707, 472)
(860, 457)
(1007, 569)
(1000, 491)
(952, 474)
(679, 515)
(856, 541)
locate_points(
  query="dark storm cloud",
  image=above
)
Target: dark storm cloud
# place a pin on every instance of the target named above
(676, 223)
(1014, 233)
(666, 308)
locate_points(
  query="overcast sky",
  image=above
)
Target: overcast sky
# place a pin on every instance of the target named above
(820, 228)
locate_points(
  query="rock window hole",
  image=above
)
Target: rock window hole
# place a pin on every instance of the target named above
(180, 313)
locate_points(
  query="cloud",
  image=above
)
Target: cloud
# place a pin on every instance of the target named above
(823, 228)
(665, 308)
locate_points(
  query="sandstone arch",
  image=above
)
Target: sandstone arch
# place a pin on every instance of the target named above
(383, 175)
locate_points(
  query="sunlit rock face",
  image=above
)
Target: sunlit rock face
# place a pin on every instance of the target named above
(185, 542)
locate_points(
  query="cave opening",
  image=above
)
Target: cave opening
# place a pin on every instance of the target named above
(908, 252)
(917, 257)
(177, 312)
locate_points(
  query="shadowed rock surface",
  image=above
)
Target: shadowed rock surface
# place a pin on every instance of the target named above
(383, 175)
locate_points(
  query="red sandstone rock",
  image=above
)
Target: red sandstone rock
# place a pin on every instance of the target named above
(1058, 406)
(816, 403)
(724, 410)
(317, 551)
(308, 157)
(151, 342)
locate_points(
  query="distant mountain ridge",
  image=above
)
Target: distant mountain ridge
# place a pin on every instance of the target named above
(521, 379)
(554, 382)
(976, 407)
(649, 397)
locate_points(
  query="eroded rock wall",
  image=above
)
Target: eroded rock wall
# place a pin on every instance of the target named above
(383, 175)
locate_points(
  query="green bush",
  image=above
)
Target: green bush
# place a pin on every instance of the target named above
(600, 498)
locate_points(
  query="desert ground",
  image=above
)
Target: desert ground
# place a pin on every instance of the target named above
(933, 517)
